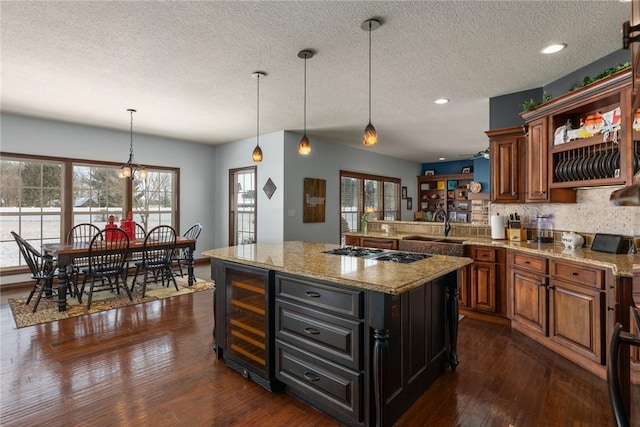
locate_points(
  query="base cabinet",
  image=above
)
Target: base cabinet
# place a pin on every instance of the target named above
(486, 290)
(562, 305)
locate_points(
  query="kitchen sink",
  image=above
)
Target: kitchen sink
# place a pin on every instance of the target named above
(431, 245)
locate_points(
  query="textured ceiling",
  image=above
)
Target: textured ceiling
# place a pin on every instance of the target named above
(186, 66)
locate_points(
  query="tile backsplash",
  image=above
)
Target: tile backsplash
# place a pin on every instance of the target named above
(592, 213)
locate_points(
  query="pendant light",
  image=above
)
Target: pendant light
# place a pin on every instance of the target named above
(257, 152)
(129, 169)
(370, 137)
(304, 147)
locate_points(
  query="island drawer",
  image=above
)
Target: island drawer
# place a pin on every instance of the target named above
(578, 273)
(327, 386)
(335, 338)
(529, 262)
(347, 302)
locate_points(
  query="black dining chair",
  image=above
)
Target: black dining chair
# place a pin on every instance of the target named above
(140, 232)
(79, 234)
(42, 268)
(618, 338)
(157, 253)
(181, 256)
(106, 266)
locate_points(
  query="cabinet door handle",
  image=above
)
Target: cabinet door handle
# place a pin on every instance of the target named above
(311, 331)
(312, 294)
(573, 273)
(610, 309)
(309, 376)
(550, 287)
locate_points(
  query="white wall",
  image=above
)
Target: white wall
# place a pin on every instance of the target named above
(270, 211)
(28, 135)
(325, 162)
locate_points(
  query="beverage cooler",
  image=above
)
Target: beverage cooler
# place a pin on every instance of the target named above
(242, 307)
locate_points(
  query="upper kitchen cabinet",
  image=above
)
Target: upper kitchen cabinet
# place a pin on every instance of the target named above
(634, 47)
(583, 138)
(507, 152)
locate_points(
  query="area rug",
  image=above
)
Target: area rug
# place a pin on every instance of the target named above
(102, 301)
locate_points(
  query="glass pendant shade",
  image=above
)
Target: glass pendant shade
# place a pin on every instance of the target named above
(304, 147)
(257, 154)
(126, 172)
(143, 173)
(370, 137)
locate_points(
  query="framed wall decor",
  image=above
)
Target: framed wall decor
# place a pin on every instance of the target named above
(315, 194)
(409, 203)
(429, 172)
(404, 192)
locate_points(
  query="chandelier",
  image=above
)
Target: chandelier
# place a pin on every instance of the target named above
(129, 169)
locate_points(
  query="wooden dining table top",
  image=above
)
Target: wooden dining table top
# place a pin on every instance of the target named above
(58, 249)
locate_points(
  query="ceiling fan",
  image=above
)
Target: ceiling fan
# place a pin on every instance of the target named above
(484, 154)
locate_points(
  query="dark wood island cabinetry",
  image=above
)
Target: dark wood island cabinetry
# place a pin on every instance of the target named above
(358, 339)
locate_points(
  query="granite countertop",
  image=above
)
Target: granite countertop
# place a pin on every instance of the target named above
(620, 264)
(308, 260)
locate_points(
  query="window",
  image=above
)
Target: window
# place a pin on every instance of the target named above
(359, 191)
(242, 206)
(30, 205)
(41, 198)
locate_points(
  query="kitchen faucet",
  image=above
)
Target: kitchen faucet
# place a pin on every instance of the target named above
(447, 222)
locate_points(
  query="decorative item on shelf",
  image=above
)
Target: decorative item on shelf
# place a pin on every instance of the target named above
(129, 169)
(475, 187)
(461, 194)
(370, 137)
(466, 169)
(365, 218)
(424, 197)
(425, 186)
(441, 185)
(462, 217)
(452, 184)
(429, 172)
(451, 194)
(594, 123)
(257, 152)
(636, 120)
(463, 206)
(129, 226)
(572, 240)
(304, 147)
(434, 196)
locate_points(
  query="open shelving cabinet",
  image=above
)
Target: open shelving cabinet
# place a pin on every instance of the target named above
(446, 192)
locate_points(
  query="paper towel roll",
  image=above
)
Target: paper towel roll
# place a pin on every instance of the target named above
(497, 227)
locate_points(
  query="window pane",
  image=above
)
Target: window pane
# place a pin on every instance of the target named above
(97, 193)
(153, 199)
(30, 205)
(350, 204)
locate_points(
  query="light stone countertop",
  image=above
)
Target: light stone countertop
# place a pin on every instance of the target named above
(620, 264)
(308, 260)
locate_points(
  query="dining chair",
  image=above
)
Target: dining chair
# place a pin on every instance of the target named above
(157, 253)
(140, 232)
(42, 268)
(79, 234)
(618, 338)
(106, 266)
(181, 256)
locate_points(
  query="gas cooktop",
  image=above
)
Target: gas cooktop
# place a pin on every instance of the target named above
(378, 254)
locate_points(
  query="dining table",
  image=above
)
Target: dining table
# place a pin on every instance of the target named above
(66, 253)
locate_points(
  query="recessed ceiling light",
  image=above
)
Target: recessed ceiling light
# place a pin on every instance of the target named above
(553, 48)
(441, 158)
(441, 101)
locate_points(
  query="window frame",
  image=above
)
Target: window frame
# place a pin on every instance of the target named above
(380, 196)
(66, 212)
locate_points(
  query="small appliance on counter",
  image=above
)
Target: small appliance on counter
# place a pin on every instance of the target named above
(544, 228)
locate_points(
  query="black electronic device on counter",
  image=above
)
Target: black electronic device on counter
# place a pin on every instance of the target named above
(611, 243)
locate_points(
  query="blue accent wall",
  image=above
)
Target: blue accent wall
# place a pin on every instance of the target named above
(481, 169)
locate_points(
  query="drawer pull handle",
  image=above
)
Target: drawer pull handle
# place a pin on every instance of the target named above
(573, 273)
(311, 377)
(610, 309)
(311, 331)
(527, 262)
(312, 294)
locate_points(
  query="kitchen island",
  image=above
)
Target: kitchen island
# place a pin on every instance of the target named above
(358, 338)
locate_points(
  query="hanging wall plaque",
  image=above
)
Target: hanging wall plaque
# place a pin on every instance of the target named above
(314, 197)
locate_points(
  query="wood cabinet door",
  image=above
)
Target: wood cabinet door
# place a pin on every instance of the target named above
(537, 155)
(464, 280)
(577, 318)
(529, 303)
(352, 240)
(507, 147)
(371, 242)
(483, 286)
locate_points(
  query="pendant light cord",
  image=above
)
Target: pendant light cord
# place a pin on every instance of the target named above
(305, 95)
(258, 114)
(131, 136)
(370, 23)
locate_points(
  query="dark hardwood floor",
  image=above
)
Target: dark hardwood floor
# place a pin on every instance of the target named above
(153, 365)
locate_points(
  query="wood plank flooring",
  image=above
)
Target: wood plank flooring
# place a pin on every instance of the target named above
(153, 365)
